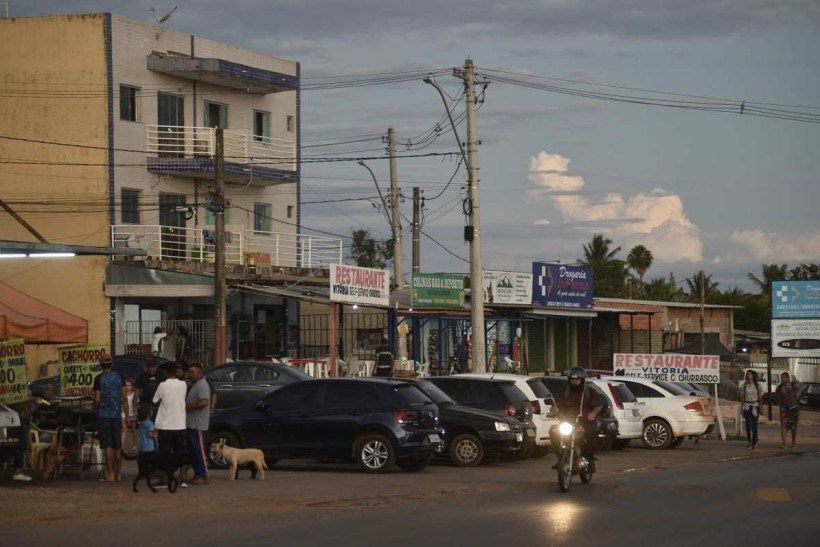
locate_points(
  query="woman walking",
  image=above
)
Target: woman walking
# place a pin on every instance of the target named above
(751, 400)
(786, 397)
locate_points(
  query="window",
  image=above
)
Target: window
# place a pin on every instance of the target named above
(216, 115)
(290, 211)
(261, 217)
(130, 206)
(261, 126)
(293, 396)
(349, 394)
(640, 390)
(290, 123)
(210, 217)
(128, 103)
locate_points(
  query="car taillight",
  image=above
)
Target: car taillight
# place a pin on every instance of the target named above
(615, 397)
(406, 416)
(694, 406)
(510, 410)
(536, 408)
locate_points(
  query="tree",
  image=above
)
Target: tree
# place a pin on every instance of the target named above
(709, 287)
(771, 272)
(640, 259)
(663, 290)
(369, 253)
(610, 272)
(805, 272)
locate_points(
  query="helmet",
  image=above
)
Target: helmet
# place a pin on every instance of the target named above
(576, 372)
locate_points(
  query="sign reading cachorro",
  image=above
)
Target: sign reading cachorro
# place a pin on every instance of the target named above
(668, 367)
(357, 285)
(78, 367)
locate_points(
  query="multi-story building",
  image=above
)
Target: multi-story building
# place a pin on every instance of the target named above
(108, 138)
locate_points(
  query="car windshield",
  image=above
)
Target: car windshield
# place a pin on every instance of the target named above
(410, 395)
(674, 389)
(435, 393)
(513, 394)
(624, 394)
(539, 389)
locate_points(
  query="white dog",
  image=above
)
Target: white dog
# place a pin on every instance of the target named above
(239, 456)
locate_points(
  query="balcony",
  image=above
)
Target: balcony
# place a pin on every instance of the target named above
(223, 73)
(189, 151)
(252, 249)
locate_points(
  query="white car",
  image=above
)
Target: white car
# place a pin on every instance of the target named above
(625, 408)
(541, 404)
(668, 417)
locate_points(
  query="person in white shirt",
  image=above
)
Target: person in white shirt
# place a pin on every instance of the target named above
(170, 422)
(158, 342)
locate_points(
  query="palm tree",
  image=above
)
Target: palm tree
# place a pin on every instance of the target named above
(610, 273)
(771, 272)
(597, 252)
(640, 259)
(663, 290)
(709, 286)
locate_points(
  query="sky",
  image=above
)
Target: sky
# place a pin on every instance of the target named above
(721, 191)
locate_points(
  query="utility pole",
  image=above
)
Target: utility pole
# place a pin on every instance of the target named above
(473, 231)
(395, 216)
(416, 229)
(218, 204)
(702, 280)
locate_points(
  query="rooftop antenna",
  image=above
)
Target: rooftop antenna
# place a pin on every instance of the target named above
(162, 20)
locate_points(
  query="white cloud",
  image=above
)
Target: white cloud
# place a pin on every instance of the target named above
(655, 219)
(542, 222)
(775, 247)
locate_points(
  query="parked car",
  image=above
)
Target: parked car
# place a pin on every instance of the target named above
(128, 366)
(809, 394)
(624, 408)
(541, 404)
(376, 422)
(501, 397)
(669, 415)
(472, 435)
(246, 382)
(608, 425)
(11, 433)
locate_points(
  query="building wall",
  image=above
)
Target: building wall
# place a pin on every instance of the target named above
(55, 72)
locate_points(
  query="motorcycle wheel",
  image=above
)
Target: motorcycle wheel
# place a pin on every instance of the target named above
(564, 473)
(586, 476)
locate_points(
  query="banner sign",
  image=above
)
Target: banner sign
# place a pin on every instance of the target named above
(668, 367)
(800, 299)
(437, 291)
(79, 365)
(356, 285)
(561, 286)
(13, 375)
(796, 338)
(507, 287)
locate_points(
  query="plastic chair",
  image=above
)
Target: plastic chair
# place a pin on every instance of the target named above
(41, 448)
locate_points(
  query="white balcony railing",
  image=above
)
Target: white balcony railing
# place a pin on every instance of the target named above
(257, 249)
(175, 141)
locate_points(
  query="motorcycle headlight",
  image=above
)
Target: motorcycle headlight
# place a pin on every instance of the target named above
(565, 428)
(501, 426)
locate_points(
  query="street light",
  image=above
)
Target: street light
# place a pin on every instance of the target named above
(378, 189)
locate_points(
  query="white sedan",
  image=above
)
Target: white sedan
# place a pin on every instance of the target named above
(668, 416)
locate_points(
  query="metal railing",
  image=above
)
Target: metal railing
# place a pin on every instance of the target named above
(254, 248)
(177, 141)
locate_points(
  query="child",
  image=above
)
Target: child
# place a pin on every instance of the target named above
(147, 433)
(129, 414)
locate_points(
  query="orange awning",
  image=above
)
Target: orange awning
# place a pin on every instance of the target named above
(22, 316)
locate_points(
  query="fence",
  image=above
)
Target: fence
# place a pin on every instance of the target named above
(139, 334)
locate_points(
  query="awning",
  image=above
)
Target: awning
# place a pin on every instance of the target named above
(318, 295)
(543, 312)
(134, 281)
(22, 316)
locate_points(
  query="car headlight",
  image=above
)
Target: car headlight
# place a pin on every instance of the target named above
(565, 428)
(502, 426)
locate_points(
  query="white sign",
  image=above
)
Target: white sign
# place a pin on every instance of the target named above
(356, 285)
(668, 367)
(507, 287)
(796, 338)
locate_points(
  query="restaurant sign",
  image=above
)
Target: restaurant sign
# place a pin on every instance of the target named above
(356, 285)
(79, 365)
(668, 367)
(436, 291)
(13, 376)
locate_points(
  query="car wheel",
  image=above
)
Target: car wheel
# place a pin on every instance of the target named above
(656, 434)
(413, 464)
(374, 453)
(677, 442)
(620, 444)
(466, 450)
(214, 459)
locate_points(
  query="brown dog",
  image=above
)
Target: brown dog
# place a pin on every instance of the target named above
(239, 456)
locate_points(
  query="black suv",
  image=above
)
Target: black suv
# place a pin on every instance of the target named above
(499, 397)
(375, 422)
(472, 435)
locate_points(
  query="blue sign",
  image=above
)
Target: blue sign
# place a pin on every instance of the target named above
(795, 299)
(560, 286)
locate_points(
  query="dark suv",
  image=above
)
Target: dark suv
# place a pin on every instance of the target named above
(373, 421)
(500, 397)
(472, 435)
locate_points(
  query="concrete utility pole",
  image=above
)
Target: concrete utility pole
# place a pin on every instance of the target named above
(395, 215)
(416, 229)
(473, 231)
(702, 280)
(220, 290)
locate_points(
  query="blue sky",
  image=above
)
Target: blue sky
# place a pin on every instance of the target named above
(702, 190)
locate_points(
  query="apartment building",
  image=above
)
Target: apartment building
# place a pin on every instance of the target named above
(108, 130)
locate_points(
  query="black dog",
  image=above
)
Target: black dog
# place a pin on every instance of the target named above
(147, 463)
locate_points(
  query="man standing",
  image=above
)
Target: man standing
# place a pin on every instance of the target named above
(147, 384)
(198, 410)
(170, 423)
(108, 394)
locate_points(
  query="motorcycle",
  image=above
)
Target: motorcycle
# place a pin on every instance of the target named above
(570, 460)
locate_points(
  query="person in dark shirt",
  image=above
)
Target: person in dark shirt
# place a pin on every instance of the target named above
(109, 392)
(582, 402)
(147, 384)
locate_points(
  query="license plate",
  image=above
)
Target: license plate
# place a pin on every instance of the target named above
(519, 437)
(433, 438)
(530, 433)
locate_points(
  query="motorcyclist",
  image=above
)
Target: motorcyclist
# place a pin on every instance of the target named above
(579, 399)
